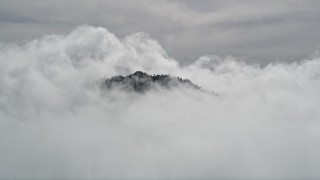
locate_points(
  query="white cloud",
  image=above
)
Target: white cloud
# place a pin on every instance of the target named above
(56, 122)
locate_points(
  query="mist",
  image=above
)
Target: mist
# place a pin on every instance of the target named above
(56, 121)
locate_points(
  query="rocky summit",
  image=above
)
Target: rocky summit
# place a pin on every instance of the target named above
(141, 82)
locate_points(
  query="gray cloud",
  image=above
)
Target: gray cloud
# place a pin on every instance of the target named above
(264, 30)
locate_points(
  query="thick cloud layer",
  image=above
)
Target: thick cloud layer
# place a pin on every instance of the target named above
(55, 121)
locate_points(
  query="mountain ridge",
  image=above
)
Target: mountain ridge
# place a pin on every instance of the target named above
(141, 82)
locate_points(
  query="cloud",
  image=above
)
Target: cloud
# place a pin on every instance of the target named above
(264, 30)
(56, 122)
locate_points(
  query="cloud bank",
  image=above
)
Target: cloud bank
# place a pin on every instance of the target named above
(56, 122)
(265, 30)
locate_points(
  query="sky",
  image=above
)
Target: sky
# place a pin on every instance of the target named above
(260, 31)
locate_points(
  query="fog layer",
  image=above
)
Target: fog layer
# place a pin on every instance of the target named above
(55, 121)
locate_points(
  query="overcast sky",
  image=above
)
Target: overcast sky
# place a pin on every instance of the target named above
(261, 30)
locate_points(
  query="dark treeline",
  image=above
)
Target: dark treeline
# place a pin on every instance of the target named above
(141, 82)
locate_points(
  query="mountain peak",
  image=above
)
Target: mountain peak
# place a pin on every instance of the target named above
(142, 82)
(139, 73)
